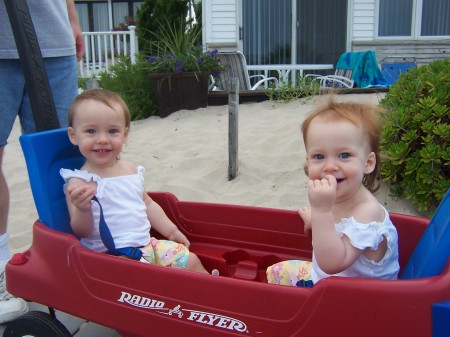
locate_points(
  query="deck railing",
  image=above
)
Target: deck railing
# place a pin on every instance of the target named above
(102, 50)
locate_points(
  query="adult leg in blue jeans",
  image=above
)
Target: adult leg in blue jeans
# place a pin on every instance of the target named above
(62, 74)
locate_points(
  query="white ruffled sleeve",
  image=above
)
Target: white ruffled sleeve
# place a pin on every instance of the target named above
(362, 235)
(68, 174)
(140, 173)
(84, 175)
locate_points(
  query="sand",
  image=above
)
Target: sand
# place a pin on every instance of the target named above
(186, 153)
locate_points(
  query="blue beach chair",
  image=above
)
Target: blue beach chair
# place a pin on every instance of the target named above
(392, 71)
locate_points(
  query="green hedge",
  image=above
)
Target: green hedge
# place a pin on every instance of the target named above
(416, 135)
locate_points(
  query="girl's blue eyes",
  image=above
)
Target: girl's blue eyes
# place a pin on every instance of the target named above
(344, 155)
(93, 131)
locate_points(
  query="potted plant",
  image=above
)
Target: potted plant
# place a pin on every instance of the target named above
(180, 69)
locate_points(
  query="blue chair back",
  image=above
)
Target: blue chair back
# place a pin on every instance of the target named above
(392, 71)
(45, 154)
(433, 250)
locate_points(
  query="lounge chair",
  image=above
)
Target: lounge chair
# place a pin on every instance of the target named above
(237, 67)
(393, 70)
(354, 69)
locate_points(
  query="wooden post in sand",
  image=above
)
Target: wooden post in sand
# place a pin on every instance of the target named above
(92, 83)
(233, 113)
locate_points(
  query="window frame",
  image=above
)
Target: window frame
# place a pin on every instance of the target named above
(89, 11)
(416, 25)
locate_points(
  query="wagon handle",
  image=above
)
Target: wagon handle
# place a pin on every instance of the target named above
(36, 81)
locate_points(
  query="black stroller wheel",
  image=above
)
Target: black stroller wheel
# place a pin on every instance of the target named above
(37, 324)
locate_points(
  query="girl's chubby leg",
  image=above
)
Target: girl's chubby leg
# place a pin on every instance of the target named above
(289, 273)
(174, 254)
(194, 264)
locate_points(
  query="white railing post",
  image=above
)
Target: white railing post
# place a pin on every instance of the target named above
(103, 47)
(133, 43)
(111, 49)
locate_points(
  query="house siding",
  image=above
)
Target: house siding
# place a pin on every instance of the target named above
(364, 38)
(363, 20)
(221, 22)
(420, 51)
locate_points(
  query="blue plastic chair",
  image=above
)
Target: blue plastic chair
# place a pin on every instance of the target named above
(392, 71)
(433, 250)
(45, 153)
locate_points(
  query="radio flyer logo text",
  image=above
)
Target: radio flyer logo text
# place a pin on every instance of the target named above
(207, 318)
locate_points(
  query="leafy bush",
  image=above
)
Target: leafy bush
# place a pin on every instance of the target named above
(132, 83)
(304, 87)
(82, 83)
(152, 11)
(177, 51)
(416, 135)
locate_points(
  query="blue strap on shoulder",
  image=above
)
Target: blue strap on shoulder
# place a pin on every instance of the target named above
(108, 241)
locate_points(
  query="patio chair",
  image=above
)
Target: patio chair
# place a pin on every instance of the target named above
(237, 67)
(394, 69)
(354, 69)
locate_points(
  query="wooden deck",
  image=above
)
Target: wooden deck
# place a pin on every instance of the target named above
(255, 96)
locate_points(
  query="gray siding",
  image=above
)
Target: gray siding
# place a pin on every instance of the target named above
(422, 51)
(220, 20)
(363, 20)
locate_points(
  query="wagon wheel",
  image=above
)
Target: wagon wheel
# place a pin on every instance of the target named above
(37, 324)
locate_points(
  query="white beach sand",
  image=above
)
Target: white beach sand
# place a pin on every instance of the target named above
(186, 153)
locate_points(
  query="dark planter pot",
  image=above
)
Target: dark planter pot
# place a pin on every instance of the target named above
(176, 91)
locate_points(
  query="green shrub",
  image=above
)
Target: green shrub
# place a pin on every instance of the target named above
(152, 11)
(285, 92)
(132, 83)
(177, 51)
(82, 82)
(415, 136)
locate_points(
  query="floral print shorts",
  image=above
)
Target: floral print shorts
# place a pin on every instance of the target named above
(289, 273)
(165, 253)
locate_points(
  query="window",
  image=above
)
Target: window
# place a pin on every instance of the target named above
(413, 18)
(93, 15)
(435, 18)
(395, 18)
(320, 33)
(267, 31)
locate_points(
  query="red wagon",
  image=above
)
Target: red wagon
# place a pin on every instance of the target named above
(145, 300)
(138, 299)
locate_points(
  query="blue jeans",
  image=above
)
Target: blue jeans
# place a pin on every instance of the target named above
(62, 73)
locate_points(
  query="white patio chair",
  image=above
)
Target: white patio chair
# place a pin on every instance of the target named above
(237, 67)
(342, 78)
(355, 69)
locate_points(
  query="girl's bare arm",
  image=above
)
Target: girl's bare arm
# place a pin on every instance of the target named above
(162, 223)
(333, 253)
